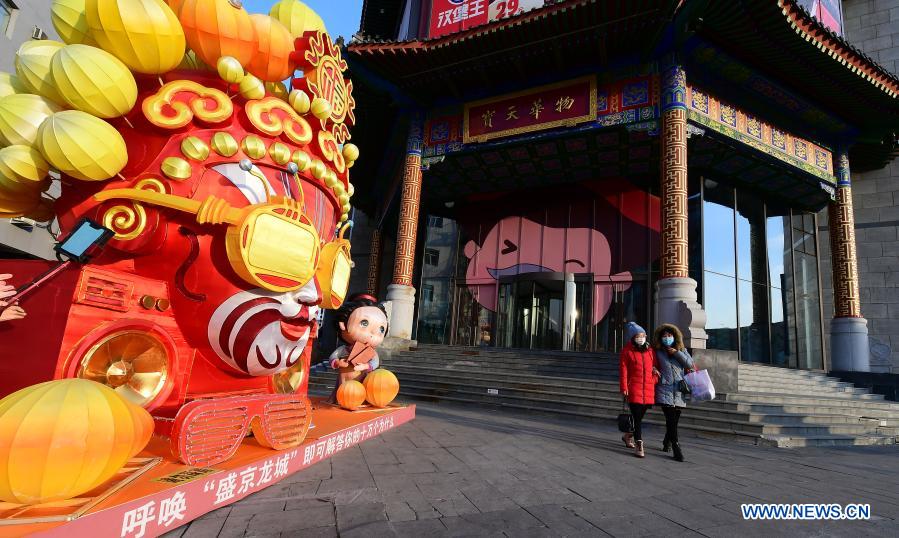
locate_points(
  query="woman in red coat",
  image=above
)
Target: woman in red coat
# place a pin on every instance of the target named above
(638, 381)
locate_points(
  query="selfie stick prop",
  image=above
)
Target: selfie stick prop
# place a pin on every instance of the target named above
(103, 235)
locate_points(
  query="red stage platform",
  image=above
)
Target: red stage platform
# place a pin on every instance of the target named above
(154, 494)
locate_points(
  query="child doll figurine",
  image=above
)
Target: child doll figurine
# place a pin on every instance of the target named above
(362, 325)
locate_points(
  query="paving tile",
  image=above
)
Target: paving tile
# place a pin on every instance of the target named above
(351, 517)
(291, 522)
(399, 511)
(561, 520)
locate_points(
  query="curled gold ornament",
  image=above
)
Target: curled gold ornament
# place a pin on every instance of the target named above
(253, 146)
(224, 144)
(194, 148)
(156, 107)
(302, 159)
(176, 168)
(130, 222)
(274, 117)
(280, 153)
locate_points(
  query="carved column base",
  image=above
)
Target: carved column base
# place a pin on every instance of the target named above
(401, 308)
(849, 349)
(675, 300)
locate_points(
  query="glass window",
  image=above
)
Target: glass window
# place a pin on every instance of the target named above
(779, 257)
(808, 315)
(433, 312)
(432, 257)
(721, 311)
(753, 322)
(783, 343)
(6, 9)
(435, 222)
(751, 239)
(718, 228)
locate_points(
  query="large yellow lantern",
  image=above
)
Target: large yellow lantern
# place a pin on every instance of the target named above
(22, 170)
(82, 146)
(9, 84)
(144, 34)
(33, 67)
(93, 80)
(70, 21)
(297, 17)
(21, 115)
(64, 438)
(216, 28)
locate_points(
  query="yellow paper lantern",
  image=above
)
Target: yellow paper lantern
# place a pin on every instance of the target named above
(216, 28)
(381, 387)
(23, 169)
(94, 81)
(321, 108)
(297, 17)
(21, 115)
(271, 62)
(9, 84)
(144, 34)
(64, 438)
(70, 21)
(230, 70)
(350, 152)
(82, 146)
(33, 68)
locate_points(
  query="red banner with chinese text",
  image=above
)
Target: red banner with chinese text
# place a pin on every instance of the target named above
(450, 16)
(556, 105)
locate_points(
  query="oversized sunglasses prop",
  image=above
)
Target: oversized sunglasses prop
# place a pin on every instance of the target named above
(272, 245)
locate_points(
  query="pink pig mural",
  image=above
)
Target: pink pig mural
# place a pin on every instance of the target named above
(517, 245)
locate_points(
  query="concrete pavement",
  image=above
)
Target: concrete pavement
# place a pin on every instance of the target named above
(462, 471)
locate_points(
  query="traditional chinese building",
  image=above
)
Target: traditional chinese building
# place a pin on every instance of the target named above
(547, 171)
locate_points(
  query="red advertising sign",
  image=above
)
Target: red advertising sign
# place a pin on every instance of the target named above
(537, 109)
(449, 16)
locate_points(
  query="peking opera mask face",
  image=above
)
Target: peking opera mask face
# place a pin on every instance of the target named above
(247, 231)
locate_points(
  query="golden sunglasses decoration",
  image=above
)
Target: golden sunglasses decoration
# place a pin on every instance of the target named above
(272, 245)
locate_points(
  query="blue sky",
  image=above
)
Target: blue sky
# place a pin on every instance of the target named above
(340, 16)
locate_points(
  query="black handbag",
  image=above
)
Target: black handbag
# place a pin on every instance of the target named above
(683, 387)
(625, 420)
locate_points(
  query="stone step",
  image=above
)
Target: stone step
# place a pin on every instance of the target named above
(801, 389)
(782, 429)
(786, 441)
(519, 353)
(498, 379)
(859, 401)
(770, 378)
(516, 362)
(810, 409)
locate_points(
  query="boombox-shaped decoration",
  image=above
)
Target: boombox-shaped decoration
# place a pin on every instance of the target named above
(228, 192)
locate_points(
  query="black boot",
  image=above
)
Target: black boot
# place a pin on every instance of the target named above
(678, 455)
(666, 444)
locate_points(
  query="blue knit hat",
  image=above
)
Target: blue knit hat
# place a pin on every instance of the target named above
(631, 329)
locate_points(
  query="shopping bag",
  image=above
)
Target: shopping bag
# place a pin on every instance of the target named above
(625, 421)
(701, 388)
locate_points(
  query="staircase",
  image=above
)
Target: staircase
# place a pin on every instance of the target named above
(774, 406)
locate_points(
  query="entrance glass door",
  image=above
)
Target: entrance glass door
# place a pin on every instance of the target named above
(627, 302)
(544, 311)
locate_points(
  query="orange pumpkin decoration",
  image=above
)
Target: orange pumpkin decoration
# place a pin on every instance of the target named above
(216, 28)
(274, 45)
(381, 387)
(350, 394)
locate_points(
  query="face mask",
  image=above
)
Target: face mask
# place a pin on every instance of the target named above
(668, 341)
(640, 340)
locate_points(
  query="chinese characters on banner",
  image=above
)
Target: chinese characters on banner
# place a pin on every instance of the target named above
(157, 516)
(449, 16)
(566, 103)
